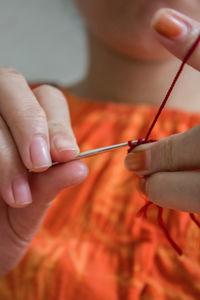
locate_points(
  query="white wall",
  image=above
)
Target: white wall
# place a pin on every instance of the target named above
(43, 39)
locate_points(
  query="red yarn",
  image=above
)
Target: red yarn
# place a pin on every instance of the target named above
(139, 142)
(143, 210)
(194, 219)
(164, 228)
(185, 60)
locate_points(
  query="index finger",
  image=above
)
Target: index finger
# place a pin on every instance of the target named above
(63, 146)
(177, 33)
(26, 120)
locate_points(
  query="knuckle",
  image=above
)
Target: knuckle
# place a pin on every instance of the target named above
(49, 90)
(58, 127)
(29, 114)
(168, 155)
(39, 114)
(10, 72)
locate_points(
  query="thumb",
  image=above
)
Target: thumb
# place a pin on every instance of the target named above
(177, 33)
(45, 186)
(179, 152)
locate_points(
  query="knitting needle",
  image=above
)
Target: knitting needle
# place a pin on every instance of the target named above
(99, 151)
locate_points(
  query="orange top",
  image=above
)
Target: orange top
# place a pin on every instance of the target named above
(91, 245)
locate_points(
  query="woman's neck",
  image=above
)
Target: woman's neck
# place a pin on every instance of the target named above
(113, 77)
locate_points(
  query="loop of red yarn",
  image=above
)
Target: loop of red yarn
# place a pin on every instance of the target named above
(143, 210)
(139, 142)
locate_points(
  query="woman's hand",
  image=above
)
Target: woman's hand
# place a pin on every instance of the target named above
(172, 164)
(34, 131)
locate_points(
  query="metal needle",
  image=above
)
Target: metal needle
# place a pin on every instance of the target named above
(100, 150)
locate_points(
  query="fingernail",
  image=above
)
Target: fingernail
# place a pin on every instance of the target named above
(169, 24)
(39, 153)
(21, 191)
(142, 185)
(139, 162)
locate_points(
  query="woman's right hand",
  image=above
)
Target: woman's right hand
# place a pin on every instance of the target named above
(35, 130)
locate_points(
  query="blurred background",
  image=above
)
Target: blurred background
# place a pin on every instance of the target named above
(43, 39)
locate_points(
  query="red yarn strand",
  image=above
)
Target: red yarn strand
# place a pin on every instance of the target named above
(164, 228)
(185, 60)
(194, 219)
(143, 210)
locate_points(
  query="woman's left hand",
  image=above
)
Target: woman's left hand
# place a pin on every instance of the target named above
(172, 165)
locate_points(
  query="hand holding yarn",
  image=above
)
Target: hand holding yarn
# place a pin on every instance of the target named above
(171, 165)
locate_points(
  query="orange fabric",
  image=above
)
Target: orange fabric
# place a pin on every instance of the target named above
(91, 246)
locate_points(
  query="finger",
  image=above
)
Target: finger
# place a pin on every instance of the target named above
(14, 186)
(25, 119)
(45, 186)
(175, 190)
(175, 153)
(63, 146)
(177, 33)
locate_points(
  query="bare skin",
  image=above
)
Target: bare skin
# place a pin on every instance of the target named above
(171, 163)
(113, 77)
(34, 131)
(126, 56)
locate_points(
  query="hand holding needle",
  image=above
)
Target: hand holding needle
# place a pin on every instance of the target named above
(99, 151)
